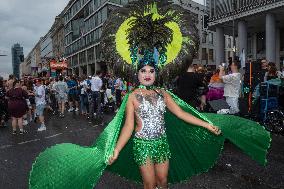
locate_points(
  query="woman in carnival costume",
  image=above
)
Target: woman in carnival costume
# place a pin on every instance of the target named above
(155, 137)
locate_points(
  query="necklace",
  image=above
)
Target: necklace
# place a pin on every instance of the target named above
(146, 87)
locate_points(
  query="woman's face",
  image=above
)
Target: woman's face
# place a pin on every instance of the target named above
(147, 75)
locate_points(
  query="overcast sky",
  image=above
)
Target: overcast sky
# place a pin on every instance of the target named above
(24, 22)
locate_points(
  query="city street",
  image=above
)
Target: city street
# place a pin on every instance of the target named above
(234, 169)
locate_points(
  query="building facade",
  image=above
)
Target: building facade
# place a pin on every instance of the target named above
(206, 55)
(58, 65)
(83, 21)
(17, 58)
(25, 67)
(256, 27)
(57, 37)
(46, 54)
(207, 46)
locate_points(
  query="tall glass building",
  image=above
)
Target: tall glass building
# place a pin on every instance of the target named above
(17, 58)
(83, 21)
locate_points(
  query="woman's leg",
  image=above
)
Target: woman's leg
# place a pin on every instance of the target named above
(62, 107)
(20, 123)
(161, 171)
(14, 123)
(30, 115)
(148, 175)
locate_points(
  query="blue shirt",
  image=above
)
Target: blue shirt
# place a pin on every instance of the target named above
(70, 84)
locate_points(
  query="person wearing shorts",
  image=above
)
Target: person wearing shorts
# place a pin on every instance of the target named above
(73, 96)
(40, 103)
(61, 90)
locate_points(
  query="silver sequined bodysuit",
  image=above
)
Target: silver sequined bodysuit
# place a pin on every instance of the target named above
(151, 113)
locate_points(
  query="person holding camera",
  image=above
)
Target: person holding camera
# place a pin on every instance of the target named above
(232, 86)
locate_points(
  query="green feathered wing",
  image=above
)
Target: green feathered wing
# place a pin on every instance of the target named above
(194, 150)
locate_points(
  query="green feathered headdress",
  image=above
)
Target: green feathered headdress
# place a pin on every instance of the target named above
(148, 31)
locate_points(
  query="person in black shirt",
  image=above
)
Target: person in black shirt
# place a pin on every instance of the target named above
(264, 65)
(188, 84)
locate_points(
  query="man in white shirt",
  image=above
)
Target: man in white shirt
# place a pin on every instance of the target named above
(232, 86)
(96, 85)
(40, 103)
(118, 89)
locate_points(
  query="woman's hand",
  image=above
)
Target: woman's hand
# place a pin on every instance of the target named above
(214, 129)
(114, 157)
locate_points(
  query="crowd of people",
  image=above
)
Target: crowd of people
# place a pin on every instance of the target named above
(199, 85)
(25, 100)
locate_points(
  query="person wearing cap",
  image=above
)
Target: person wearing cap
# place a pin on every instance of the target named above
(40, 103)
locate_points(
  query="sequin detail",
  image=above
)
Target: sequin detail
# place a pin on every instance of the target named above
(157, 150)
(151, 113)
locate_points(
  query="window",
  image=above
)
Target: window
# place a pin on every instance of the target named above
(210, 38)
(211, 54)
(90, 54)
(75, 60)
(92, 36)
(103, 1)
(115, 1)
(124, 2)
(82, 57)
(104, 13)
(98, 52)
(204, 37)
(96, 20)
(100, 32)
(99, 17)
(96, 34)
(204, 54)
(229, 42)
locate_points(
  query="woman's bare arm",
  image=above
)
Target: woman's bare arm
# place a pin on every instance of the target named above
(175, 109)
(127, 129)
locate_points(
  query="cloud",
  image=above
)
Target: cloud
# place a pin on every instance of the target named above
(25, 22)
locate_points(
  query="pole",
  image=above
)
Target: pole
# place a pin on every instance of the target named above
(250, 87)
(234, 46)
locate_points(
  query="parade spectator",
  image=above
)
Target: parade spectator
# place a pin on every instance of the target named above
(40, 103)
(272, 72)
(188, 91)
(9, 84)
(73, 97)
(25, 117)
(84, 103)
(232, 86)
(61, 90)
(263, 70)
(216, 87)
(3, 105)
(52, 95)
(118, 89)
(30, 87)
(17, 106)
(96, 85)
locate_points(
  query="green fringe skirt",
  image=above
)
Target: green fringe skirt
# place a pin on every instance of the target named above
(156, 150)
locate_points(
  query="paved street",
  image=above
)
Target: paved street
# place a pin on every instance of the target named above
(234, 169)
